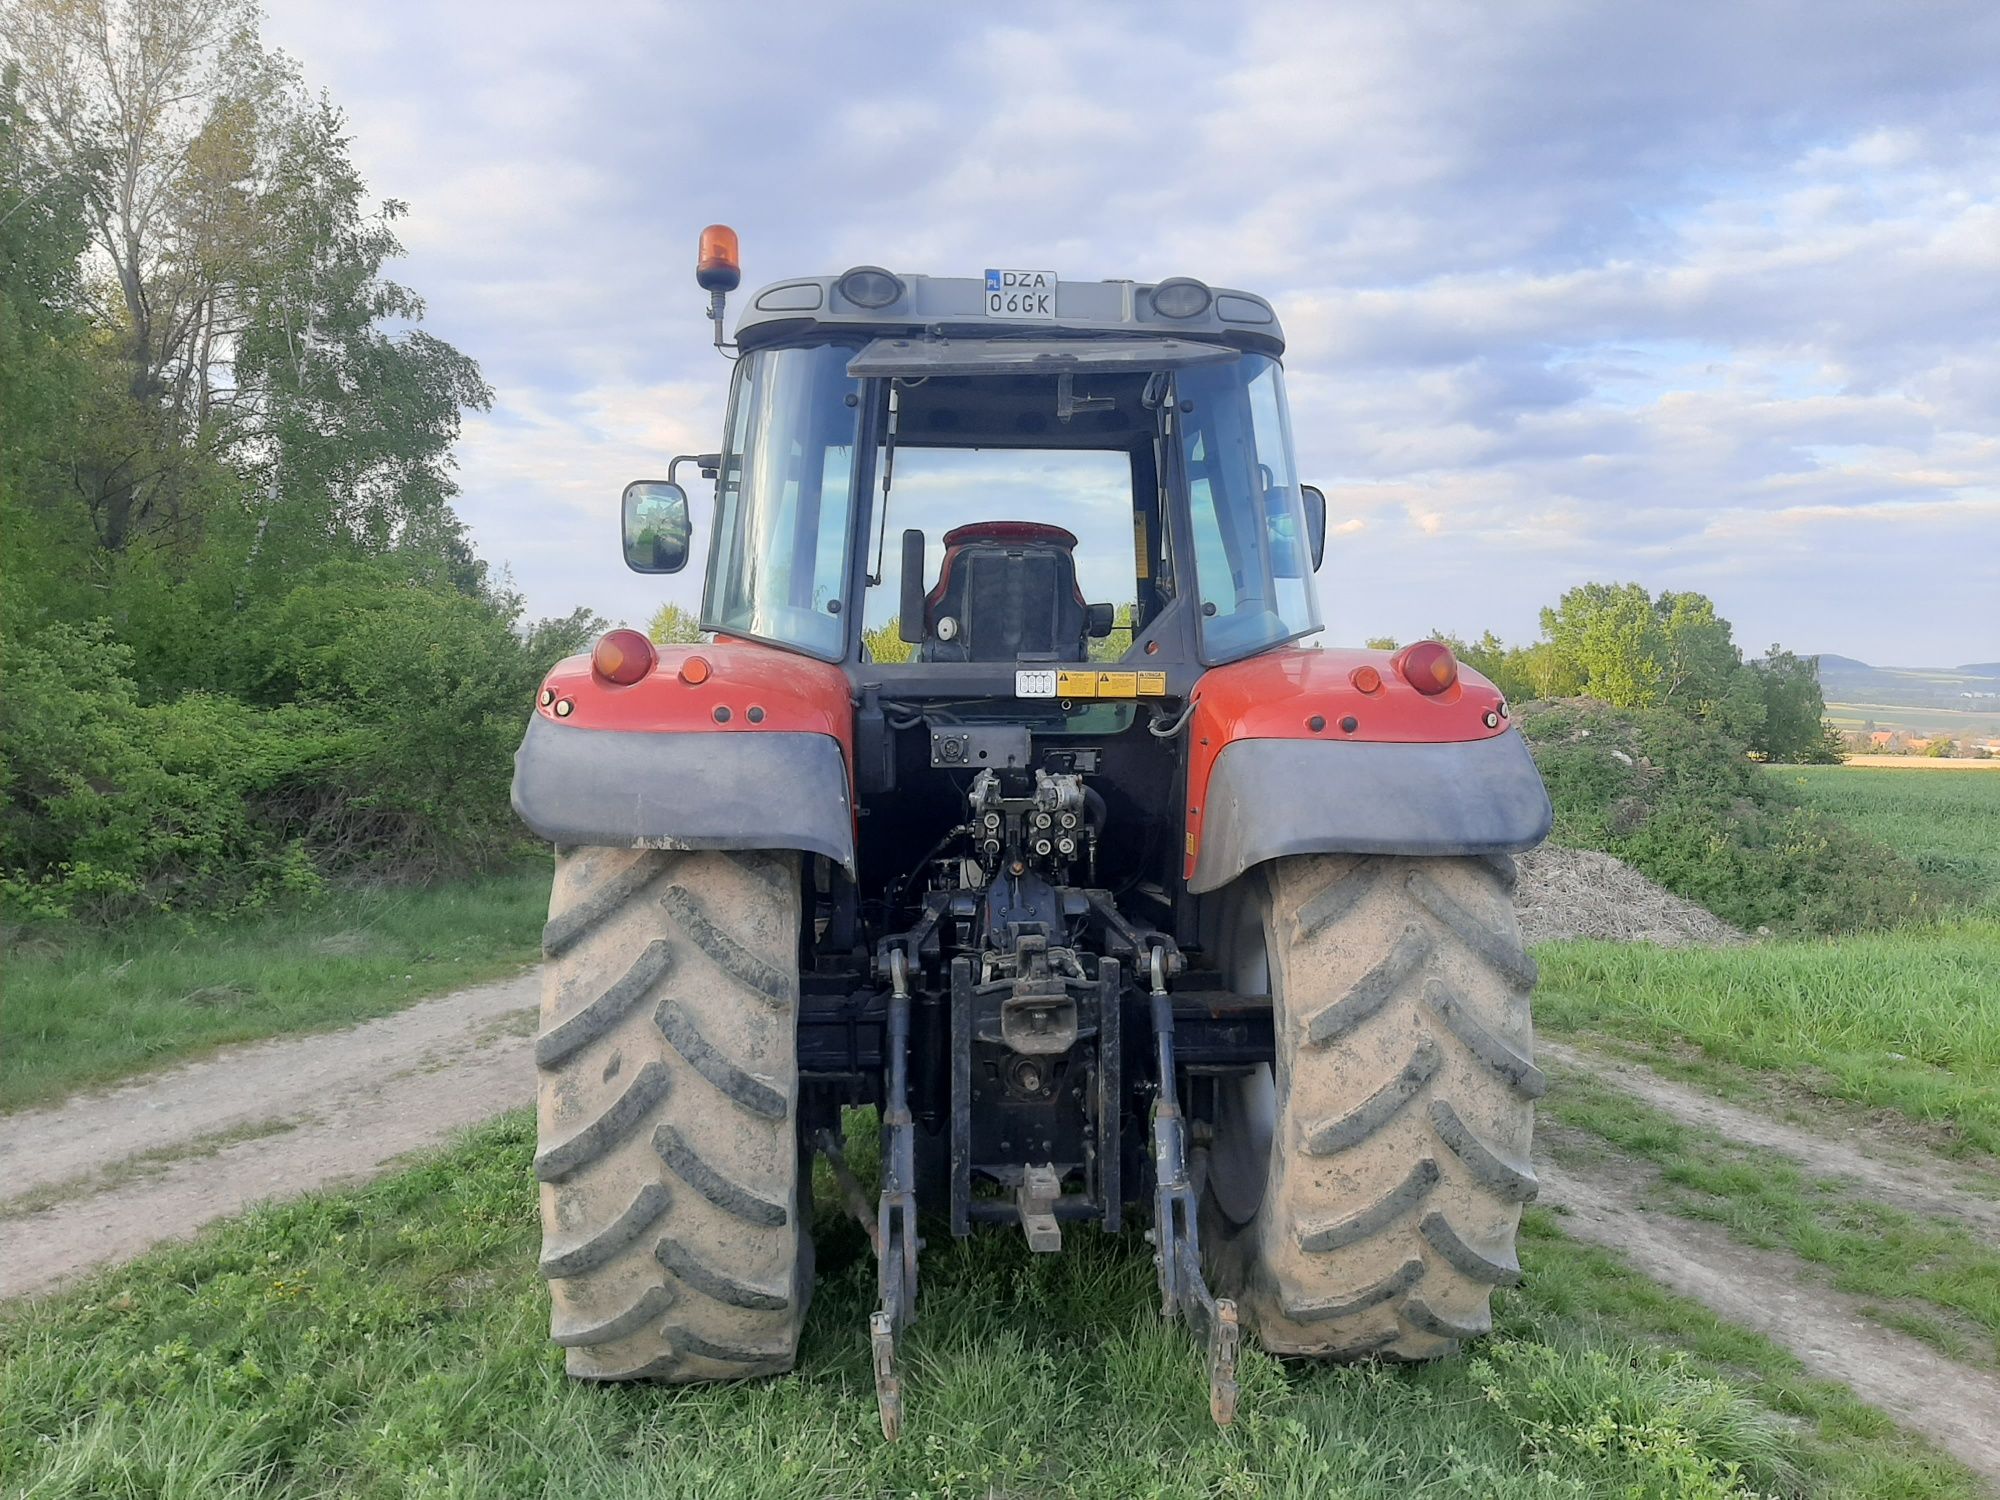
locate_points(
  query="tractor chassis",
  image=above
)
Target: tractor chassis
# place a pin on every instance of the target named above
(855, 1045)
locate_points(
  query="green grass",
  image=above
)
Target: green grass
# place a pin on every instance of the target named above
(86, 1007)
(1946, 822)
(391, 1341)
(1762, 1199)
(1903, 1020)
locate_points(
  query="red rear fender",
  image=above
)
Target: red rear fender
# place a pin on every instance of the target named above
(748, 689)
(1302, 694)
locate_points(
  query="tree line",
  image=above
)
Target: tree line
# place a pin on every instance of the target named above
(246, 643)
(1621, 645)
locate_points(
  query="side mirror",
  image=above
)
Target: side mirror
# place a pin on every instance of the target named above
(1101, 618)
(910, 615)
(1315, 521)
(656, 526)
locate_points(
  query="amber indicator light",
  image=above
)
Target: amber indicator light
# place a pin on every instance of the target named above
(718, 266)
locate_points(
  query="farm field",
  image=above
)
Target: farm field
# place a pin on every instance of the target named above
(1946, 822)
(1919, 763)
(1915, 719)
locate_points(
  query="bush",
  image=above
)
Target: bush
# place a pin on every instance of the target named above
(371, 733)
(108, 806)
(1684, 804)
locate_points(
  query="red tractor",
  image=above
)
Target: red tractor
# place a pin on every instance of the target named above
(1057, 844)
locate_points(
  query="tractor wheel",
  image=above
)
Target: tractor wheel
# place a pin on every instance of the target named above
(674, 1211)
(1363, 1195)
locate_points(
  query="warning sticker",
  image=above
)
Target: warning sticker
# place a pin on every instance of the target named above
(1076, 684)
(1079, 684)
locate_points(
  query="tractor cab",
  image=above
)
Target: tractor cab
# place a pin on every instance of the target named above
(914, 480)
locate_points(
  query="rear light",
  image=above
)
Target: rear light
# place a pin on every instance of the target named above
(1367, 679)
(623, 657)
(1429, 667)
(694, 671)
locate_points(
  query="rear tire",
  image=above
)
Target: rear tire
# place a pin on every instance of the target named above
(674, 1226)
(1362, 1196)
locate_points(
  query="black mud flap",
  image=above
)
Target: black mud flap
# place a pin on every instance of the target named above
(1268, 798)
(719, 790)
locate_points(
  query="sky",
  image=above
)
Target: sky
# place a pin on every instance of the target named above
(1700, 295)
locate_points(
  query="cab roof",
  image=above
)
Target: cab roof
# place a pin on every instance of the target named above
(786, 311)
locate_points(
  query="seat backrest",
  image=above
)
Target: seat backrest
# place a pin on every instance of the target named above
(1008, 589)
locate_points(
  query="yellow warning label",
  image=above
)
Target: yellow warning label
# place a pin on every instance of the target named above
(1080, 684)
(1076, 684)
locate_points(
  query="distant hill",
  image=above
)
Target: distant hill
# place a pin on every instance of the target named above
(1954, 700)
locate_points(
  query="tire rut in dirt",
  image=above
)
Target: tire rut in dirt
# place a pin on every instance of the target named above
(1400, 1106)
(673, 1237)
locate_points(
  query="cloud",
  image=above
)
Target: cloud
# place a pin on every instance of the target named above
(1703, 296)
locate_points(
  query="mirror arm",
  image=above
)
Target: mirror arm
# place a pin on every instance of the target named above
(710, 465)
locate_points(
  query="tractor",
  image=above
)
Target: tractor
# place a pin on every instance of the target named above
(1049, 832)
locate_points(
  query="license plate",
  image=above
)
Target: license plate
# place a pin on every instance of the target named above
(1020, 294)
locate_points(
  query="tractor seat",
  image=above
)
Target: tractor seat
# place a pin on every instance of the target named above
(1006, 591)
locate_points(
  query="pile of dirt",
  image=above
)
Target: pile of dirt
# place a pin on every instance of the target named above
(1580, 893)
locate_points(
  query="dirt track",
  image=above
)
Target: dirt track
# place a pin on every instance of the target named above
(1828, 1332)
(105, 1175)
(1886, 1171)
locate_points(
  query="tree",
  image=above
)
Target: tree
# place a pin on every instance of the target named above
(1381, 643)
(158, 107)
(44, 373)
(349, 424)
(885, 642)
(1794, 724)
(1611, 637)
(1698, 655)
(673, 625)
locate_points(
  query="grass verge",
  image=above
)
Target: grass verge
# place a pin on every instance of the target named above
(1944, 822)
(1901, 1020)
(391, 1341)
(87, 1007)
(1763, 1200)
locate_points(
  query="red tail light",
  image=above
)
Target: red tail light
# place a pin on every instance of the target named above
(623, 657)
(1428, 666)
